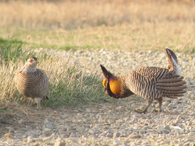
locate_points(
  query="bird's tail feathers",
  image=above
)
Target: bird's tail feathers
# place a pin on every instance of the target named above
(46, 98)
(173, 62)
(172, 87)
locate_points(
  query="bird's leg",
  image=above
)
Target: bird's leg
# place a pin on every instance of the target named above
(160, 103)
(144, 111)
(38, 100)
(29, 101)
(149, 103)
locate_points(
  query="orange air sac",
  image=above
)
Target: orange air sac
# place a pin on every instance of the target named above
(115, 87)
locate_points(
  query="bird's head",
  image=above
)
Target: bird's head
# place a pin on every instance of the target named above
(32, 62)
(113, 85)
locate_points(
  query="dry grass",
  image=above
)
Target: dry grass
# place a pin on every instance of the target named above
(122, 24)
(68, 85)
(81, 14)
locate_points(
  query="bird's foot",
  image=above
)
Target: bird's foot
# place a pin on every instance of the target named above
(158, 111)
(38, 100)
(29, 101)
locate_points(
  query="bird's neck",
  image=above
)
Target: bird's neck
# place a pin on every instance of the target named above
(28, 69)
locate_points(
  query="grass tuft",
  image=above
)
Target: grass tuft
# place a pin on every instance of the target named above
(11, 50)
(80, 24)
(69, 86)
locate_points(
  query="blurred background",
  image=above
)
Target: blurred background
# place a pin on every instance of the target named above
(96, 24)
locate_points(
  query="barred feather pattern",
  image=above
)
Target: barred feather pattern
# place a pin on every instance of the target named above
(32, 84)
(152, 83)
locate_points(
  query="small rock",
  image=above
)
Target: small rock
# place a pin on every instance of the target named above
(21, 121)
(48, 124)
(135, 136)
(117, 142)
(59, 143)
(117, 134)
(29, 139)
(110, 135)
(47, 132)
(167, 127)
(181, 126)
(190, 57)
(7, 135)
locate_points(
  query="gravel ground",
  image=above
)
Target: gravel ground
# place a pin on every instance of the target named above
(108, 123)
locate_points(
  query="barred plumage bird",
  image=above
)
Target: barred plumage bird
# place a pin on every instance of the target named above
(152, 83)
(32, 82)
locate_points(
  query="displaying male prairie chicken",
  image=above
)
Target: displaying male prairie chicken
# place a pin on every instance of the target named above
(152, 83)
(32, 82)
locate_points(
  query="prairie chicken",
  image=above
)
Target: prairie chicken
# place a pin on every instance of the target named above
(32, 82)
(152, 83)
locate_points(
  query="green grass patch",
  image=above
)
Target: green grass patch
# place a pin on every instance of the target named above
(53, 39)
(74, 87)
(68, 47)
(11, 50)
(68, 85)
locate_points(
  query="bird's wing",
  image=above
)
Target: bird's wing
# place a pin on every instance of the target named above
(33, 84)
(153, 82)
(42, 81)
(151, 73)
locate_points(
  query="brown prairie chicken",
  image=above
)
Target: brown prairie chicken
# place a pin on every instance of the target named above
(32, 82)
(152, 83)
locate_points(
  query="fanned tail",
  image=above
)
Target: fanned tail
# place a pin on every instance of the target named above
(173, 62)
(45, 98)
(172, 87)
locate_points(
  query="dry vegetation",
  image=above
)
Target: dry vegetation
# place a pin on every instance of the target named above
(68, 85)
(88, 24)
(122, 24)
